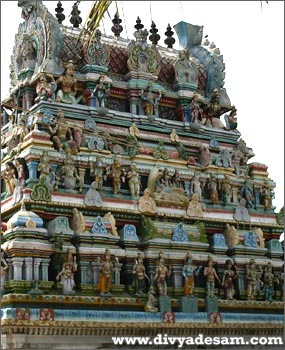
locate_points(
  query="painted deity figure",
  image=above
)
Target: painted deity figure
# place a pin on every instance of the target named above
(151, 304)
(161, 273)
(229, 276)
(97, 170)
(213, 186)
(23, 175)
(134, 181)
(195, 110)
(66, 275)
(140, 275)
(147, 203)
(45, 169)
(150, 101)
(252, 277)
(67, 85)
(188, 272)
(195, 186)
(266, 196)
(68, 172)
(62, 131)
(268, 280)
(23, 172)
(101, 91)
(247, 194)
(211, 275)
(106, 273)
(45, 88)
(226, 190)
(118, 176)
(10, 176)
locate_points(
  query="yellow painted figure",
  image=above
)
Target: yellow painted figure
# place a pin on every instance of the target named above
(106, 272)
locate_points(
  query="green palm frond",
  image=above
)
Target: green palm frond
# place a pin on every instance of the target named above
(92, 23)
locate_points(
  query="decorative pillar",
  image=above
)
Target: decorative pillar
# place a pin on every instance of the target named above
(256, 194)
(117, 273)
(54, 168)
(91, 100)
(81, 172)
(45, 264)
(95, 265)
(10, 269)
(177, 277)
(28, 98)
(17, 263)
(28, 268)
(83, 271)
(37, 262)
(33, 169)
(235, 194)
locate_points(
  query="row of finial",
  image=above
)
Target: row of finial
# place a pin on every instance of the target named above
(117, 29)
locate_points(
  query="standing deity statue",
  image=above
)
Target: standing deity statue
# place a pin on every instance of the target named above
(195, 186)
(10, 176)
(229, 275)
(266, 196)
(150, 101)
(213, 186)
(66, 275)
(268, 280)
(211, 275)
(189, 270)
(196, 111)
(252, 276)
(106, 273)
(134, 181)
(161, 273)
(101, 91)
(46, 170)
(140, 275)
(247, 194)
(226, 190)
(97, 170)
(118, 176)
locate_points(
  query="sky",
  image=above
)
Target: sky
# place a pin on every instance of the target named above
(250, 36)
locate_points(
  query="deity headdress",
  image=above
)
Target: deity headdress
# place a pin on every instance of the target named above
(188, 255)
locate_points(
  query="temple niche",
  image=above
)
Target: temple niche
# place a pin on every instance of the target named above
(128, 194)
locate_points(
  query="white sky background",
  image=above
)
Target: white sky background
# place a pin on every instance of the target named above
(249, 36)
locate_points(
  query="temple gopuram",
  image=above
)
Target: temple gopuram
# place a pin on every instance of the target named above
(129, 202)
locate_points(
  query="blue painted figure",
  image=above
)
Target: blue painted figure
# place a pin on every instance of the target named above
(179, 234)
(250, 240)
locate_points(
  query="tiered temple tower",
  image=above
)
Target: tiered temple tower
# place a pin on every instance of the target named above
(121, 160)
